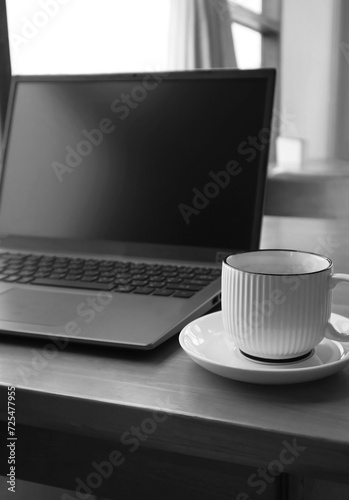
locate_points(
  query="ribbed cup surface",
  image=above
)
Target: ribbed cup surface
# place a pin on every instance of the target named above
(275, 316)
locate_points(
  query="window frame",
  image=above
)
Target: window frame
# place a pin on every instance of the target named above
(268, 24)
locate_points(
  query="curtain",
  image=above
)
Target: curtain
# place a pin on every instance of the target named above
(200, 35)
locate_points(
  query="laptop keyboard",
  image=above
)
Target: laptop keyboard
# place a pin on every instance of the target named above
(105, 275)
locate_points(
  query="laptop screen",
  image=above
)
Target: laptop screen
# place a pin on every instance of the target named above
(176, 159)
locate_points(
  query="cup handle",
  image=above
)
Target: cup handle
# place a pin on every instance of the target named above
(332, 332)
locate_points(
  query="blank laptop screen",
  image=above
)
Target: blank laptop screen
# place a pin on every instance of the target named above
(149, 159)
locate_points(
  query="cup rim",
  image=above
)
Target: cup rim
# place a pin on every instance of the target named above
(330, 262)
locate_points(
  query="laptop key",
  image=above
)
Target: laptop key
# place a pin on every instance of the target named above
(41, 275)
(201, 283)
(25, 273)
(74, 284)
(189, 288)
(29, 267)
(71, 277)
(89, 279)
(202, 270)
(156, 284)
(182, 294)
(186, 275)
(25, 279)
(90, 267)
(90, 272)
(139, 283)
(123, 281)
(205, 277)
(16, 260)
(48, 269)
(163, 292)
(105, 279)
(156, 278)
(13, 278)
(105, 274)
(216, 272)
(124, 289)
(143, 290)
(124, 276)
(136, 272)
(8, 272)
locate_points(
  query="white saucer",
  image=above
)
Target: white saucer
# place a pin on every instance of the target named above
(206, 342)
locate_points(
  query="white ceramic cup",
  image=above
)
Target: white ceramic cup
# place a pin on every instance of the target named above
(276, 304)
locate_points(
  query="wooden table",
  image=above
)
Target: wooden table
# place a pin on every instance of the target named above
(168, 428)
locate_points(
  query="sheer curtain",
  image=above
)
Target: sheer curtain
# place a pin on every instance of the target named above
(200, 35)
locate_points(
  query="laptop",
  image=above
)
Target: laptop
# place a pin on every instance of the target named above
(120, 196)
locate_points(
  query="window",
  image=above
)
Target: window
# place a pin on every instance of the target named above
(104, 36)
(256, 35)
(248, 46)
(253, 5)
(107, 36)
(256, 32)
(87, 36)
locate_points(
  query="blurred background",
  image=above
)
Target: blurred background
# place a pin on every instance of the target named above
(306, 40)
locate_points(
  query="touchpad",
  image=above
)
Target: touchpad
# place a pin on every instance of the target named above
(39, 308)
